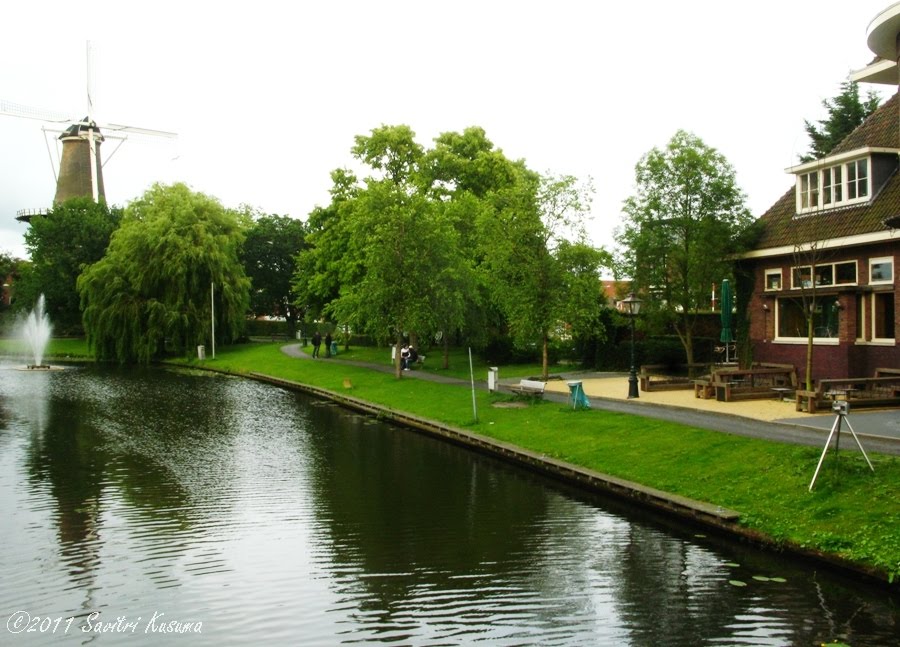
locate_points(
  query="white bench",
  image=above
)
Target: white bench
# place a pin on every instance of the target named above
(529, 387)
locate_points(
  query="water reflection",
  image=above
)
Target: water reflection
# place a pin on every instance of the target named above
(271, 517)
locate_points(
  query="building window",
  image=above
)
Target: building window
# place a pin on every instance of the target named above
(792, 324)
(834, 186)
(883, 315)
(858, 179)
(843, 273)
(801, 277)
(809, 190)
(860, 317)
(881, 270)
(773, 279)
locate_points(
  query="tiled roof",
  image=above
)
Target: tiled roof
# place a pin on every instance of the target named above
(880, 129)
(781, 226)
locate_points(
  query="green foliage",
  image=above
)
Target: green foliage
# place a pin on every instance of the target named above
(325, 264)
(269, 255)
(456, 240)
(152, 289)
(684, 223)
(846, 111)
(71, 236)
(544, 276)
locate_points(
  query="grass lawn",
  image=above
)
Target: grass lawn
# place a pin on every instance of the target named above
(58, 349)
(852, 512)
(457, 365)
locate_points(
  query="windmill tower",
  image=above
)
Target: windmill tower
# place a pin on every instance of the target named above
(81, 166)
(80, 170)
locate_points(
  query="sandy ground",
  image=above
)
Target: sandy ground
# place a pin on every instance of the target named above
(616, 388)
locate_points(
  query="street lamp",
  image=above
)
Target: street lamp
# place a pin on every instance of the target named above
(631, 306)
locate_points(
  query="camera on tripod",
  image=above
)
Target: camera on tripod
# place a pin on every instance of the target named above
(840, 407)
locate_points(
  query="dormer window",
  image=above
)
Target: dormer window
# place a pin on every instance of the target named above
(830, 187)
(858, 179)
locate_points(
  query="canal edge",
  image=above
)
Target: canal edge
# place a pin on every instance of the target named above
(698, 512)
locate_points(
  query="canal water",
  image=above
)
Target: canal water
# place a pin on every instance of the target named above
(141, 501)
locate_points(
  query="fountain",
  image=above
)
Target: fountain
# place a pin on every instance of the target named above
(36, 333)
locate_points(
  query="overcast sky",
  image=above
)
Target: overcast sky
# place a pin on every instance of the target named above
(267, 96)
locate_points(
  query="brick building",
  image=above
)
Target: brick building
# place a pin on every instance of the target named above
(830, 245)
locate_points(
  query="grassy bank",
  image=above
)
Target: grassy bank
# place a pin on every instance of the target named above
(57, 349)
(851, 513)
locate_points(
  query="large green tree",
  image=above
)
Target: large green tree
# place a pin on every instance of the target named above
(324, 264)
(269, 254)
(464, 172)
(65, 240)
(846, 111)
(401, 258)
(681, 228)
(152, 289)
(546, 277)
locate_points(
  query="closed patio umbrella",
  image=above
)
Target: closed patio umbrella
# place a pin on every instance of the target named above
(727, 336)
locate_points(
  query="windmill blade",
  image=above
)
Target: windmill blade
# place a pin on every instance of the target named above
(13, 109)
(119, 128)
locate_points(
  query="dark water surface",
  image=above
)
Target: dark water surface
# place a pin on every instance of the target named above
(132, 499)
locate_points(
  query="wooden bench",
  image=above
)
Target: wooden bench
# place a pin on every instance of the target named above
(754, 383)
(704, 389)
(881, 391)
(668, 377)
(533, 388)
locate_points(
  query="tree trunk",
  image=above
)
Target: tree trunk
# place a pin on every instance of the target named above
(446, 340)
(545, 358)
(809, 351)
(398, 367)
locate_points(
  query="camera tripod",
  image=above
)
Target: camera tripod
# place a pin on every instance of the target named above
(841, 411)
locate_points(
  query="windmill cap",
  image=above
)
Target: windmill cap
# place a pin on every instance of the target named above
(80, 128)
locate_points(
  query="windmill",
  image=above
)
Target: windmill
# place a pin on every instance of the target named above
(81, 166)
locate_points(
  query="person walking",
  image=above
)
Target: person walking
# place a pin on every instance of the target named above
(328, 344)
(316, 343)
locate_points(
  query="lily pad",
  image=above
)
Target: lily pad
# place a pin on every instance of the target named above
(737, 583)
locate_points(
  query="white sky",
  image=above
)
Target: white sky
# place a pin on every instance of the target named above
(268, 96)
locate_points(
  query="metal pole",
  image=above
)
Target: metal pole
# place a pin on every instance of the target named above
(632, 376)
(212, 316)
(472, 375)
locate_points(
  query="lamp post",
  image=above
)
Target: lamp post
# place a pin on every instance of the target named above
(631, 306)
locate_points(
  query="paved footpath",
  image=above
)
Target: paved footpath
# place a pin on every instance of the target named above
(878, 430)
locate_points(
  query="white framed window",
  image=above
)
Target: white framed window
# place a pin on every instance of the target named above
(834, 186)
(845, 273)
(773, 280)
(809, 191)
(881, 270)
(861, 318)
(842, 273)
(791, 322)
(858, 179)
(801, 277)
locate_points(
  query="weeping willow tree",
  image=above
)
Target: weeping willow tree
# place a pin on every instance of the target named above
(151, 291)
